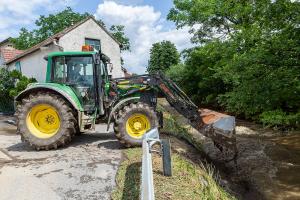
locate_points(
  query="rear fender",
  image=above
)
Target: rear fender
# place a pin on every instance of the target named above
(63, 91)
(66, 92)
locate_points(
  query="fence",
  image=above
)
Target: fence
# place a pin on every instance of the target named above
(151, 138)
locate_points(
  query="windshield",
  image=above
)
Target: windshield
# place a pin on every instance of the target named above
(76, 71)
(73, 69)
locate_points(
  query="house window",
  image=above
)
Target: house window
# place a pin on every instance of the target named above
(18, 66)
(94, 43)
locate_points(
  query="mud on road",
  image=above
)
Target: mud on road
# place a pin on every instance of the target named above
(85, 169)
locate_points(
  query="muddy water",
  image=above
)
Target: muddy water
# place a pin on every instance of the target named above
(268, 164)
(284, 151)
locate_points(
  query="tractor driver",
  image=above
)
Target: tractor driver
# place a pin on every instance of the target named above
(75, 75)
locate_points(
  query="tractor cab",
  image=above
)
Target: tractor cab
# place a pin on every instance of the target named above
(84, 72)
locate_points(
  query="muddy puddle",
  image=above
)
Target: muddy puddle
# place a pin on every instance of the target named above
(268, 164)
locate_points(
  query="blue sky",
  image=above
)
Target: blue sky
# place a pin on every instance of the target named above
(145, 22)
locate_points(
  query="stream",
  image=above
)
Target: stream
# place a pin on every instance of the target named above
(268, 164)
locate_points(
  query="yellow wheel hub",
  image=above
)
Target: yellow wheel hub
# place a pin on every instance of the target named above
(43, 121)
(137, 125)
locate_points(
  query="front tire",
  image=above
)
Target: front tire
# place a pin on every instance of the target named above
(45, 121)
(133, 121)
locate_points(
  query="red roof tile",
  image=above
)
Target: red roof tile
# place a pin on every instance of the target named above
(9, 53)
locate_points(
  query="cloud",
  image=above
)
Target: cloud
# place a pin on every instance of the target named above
(17, 13)
(128, 2)
(144, 26)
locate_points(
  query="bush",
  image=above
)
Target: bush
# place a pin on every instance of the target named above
(250, 83)
(11, 83)
(197, 76)
(280, 119)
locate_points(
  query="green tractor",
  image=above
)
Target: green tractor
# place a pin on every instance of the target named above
(79, 93)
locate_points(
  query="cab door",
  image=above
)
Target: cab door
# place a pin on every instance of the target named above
(101, 83)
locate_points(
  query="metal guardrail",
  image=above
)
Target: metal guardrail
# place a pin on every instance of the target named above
(151, 138)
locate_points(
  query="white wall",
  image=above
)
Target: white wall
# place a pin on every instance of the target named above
(1, 62)
(75, 39)
(34, 65)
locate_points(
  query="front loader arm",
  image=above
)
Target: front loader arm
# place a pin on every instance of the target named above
(217, 126)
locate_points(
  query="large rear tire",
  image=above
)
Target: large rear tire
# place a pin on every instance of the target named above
(45, 121)
(133, 121)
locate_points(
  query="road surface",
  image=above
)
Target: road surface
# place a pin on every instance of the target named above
(85, 169)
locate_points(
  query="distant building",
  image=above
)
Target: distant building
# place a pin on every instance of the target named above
(7, 51)
(86, 32)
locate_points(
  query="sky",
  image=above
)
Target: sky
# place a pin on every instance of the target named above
(145, 22)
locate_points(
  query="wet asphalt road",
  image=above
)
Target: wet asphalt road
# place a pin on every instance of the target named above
(85, 169)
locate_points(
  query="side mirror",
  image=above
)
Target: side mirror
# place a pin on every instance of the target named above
(110, 67)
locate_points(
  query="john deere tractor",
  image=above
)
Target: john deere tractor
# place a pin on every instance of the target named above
(78, 93)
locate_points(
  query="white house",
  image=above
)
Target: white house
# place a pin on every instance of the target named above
(87, 32)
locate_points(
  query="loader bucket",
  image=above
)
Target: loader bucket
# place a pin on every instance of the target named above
(219, 127)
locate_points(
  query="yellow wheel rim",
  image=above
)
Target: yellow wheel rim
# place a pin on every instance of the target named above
(137, 125)
(43, 121)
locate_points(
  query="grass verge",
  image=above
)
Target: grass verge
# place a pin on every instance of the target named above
(189, 180)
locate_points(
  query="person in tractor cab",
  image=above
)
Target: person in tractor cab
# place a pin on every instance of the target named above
(75, 73)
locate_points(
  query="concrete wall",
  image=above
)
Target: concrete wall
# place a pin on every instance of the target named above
(74, 40)
(34, 65)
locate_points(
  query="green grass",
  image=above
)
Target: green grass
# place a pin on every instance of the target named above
(189, 180)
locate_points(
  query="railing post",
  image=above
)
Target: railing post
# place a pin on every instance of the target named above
(147, 188)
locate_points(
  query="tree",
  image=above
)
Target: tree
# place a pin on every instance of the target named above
(257, 43)
(54, 23)
(223, 19)
(46, 27)
(118, 32)
(197, 76)
(162, 56)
